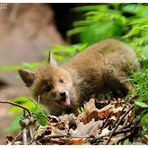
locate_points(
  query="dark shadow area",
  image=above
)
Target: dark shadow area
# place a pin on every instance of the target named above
(64, 18)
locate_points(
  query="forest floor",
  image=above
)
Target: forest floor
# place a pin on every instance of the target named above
(100, 122)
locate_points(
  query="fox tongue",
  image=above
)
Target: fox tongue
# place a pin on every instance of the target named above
(66, 101)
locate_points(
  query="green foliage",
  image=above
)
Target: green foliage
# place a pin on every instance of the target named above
(144, 123)
(138, 37)
(80, 110)
(23, 65)
(127, 142)
(37, 109)
(141, 104)
(128, 22)
(64, 52)
(136, 9)
(100, 22)
(140, 81)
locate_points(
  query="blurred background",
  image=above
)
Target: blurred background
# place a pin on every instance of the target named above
(29, 31)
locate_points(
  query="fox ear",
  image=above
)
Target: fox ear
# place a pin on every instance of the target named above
(51, 59)
(27, 76)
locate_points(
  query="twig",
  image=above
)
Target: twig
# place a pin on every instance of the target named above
(130, 124)
(15, 104)
(30, 132)
(105, 122)
(39, 143)
(124, 138)
(124, 130)
(121, 112)
(24, 113)
(25, 136)
(61, 136)
(119, 123)
(33, 136)
(116, 125)
(128, 135)
(124, 109)
(119, 131)
(16, 138)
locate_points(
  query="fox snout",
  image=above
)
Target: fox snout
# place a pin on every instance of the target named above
(63, 98)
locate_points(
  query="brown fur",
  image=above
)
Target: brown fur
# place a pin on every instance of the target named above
(104, 66)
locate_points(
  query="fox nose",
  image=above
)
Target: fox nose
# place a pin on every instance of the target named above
(62, 94)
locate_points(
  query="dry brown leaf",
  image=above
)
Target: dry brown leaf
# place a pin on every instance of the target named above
(91, 112)
(86, 129)
(75, 141)
(103, 114)
(105, 132)
(54, 130)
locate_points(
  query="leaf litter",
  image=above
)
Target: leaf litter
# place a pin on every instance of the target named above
(112, 122)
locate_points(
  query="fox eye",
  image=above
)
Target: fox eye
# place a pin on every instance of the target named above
(61, 80)
(47, 88)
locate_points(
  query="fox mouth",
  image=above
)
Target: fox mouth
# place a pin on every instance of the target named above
(64, 101)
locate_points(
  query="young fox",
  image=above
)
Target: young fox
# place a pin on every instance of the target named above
(102, 67)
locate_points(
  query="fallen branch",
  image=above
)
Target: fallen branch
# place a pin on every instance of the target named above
(118, 122)
(121, 130)
(60, 136)
(15, 104)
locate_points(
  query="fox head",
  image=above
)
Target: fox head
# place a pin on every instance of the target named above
(49, 83)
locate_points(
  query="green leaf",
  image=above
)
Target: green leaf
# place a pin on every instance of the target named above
(145, 53)
(127, 142)
(14, 109)
(30, 105)
(15, 67)
(75, 31)
(144, 120)
(91, 8)
(141, 104)
(21, 99)
(40, 118)
(31, 65)
(24, 65)
(97, 32)
(80, 109)
(133, 8)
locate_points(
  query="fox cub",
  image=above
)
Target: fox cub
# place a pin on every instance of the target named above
(102, 67)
